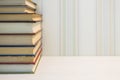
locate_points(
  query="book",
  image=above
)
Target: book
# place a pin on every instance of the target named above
(19, 39)
(16, 9)
(18, 2)
(20, 17)
(20, 28)
(19, 68)
(20, 50)
(17, 59)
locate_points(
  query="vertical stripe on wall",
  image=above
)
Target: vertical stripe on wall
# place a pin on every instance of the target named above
(100, 47)
(51, 32)
(105, 27)
(62, 23)
(76, 28)
(87, 27)
(112, 28)
(117, 27)
(68, 24)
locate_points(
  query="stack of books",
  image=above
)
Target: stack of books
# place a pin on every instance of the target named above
(20, 36)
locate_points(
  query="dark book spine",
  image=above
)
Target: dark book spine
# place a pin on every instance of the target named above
(21, 45)
(39, 54)
(20, 21)
(17, 45)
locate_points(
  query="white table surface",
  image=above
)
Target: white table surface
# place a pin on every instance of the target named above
(72, 68)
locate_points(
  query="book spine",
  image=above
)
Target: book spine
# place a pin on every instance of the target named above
(20, 33)
(21, 45)
(9, 63)
(24, 6)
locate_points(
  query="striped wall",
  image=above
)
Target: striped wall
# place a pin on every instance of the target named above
(117, 27)
(80, 27)
(105, 28)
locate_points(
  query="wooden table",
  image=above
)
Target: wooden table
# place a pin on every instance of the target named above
(72, 68)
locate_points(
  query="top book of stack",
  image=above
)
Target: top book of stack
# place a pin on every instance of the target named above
(17, 6)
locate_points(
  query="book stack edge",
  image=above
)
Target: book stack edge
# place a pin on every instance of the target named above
(20, 36)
